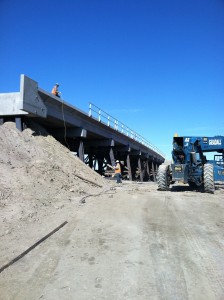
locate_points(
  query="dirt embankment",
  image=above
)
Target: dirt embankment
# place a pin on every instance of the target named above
(39, 186)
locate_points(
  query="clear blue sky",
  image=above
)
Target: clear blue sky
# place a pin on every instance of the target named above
(157, 66)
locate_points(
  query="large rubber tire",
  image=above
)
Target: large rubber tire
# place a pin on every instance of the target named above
(209, 185)
(163, 178)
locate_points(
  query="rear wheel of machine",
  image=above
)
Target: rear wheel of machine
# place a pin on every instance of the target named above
(209, 185)
(163, 178)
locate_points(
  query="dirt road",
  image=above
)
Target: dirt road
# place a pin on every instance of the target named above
(133, 242)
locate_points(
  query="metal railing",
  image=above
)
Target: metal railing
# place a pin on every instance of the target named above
(103, 117)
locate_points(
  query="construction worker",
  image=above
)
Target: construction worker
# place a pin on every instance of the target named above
(55, 90)
(117, 169)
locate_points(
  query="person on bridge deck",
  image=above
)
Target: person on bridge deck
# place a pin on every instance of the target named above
(118, 171)
(55, 90)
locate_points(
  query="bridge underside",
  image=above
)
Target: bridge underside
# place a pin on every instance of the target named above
(95, 143)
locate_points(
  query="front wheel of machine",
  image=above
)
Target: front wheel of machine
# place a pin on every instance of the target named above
(163, 178)
(209, 185)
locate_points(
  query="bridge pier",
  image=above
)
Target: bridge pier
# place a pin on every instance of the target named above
(147, 169)
(18, 120)
(19, 125)
(129, 166)
(152, 171)
(111, 154)
(81, 150)
(140, 169)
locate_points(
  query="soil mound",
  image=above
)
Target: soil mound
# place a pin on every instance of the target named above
(38, 177)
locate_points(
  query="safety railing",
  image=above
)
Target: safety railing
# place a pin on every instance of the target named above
(103, 117)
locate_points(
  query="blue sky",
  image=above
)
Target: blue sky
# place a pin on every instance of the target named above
(157, 66)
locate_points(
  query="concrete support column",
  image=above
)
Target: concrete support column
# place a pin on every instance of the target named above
(129, 167)
(147, 169)
(19, 125)
(94, 164)
(153, 172)
(81, 150)
(140, 169)
(112, 159)
(100, 164)
(156, 171)
(90, 161)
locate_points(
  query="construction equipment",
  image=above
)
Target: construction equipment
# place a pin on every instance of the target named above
(190, 164)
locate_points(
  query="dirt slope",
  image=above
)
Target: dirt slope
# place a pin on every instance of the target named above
(37, 181)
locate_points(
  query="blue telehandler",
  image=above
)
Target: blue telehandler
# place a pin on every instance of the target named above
(190, 164)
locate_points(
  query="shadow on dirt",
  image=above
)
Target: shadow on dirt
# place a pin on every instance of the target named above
(183, 188)
(186, 188)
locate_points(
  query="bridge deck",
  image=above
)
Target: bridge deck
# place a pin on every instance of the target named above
(82, 132)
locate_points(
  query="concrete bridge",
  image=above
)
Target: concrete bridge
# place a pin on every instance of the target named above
(96, 137)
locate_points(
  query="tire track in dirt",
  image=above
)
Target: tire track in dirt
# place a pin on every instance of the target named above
(199, 248)
(165, 253)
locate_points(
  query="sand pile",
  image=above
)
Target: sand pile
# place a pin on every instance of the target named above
(38, 184)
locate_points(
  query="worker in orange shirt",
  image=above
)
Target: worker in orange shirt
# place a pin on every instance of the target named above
(55, 90)
(117, 169)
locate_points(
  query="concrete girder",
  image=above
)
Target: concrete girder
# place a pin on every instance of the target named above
(136, 152)
(102, 142)
(124, 149)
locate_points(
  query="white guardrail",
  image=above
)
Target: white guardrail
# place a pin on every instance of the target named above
(103, 117)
